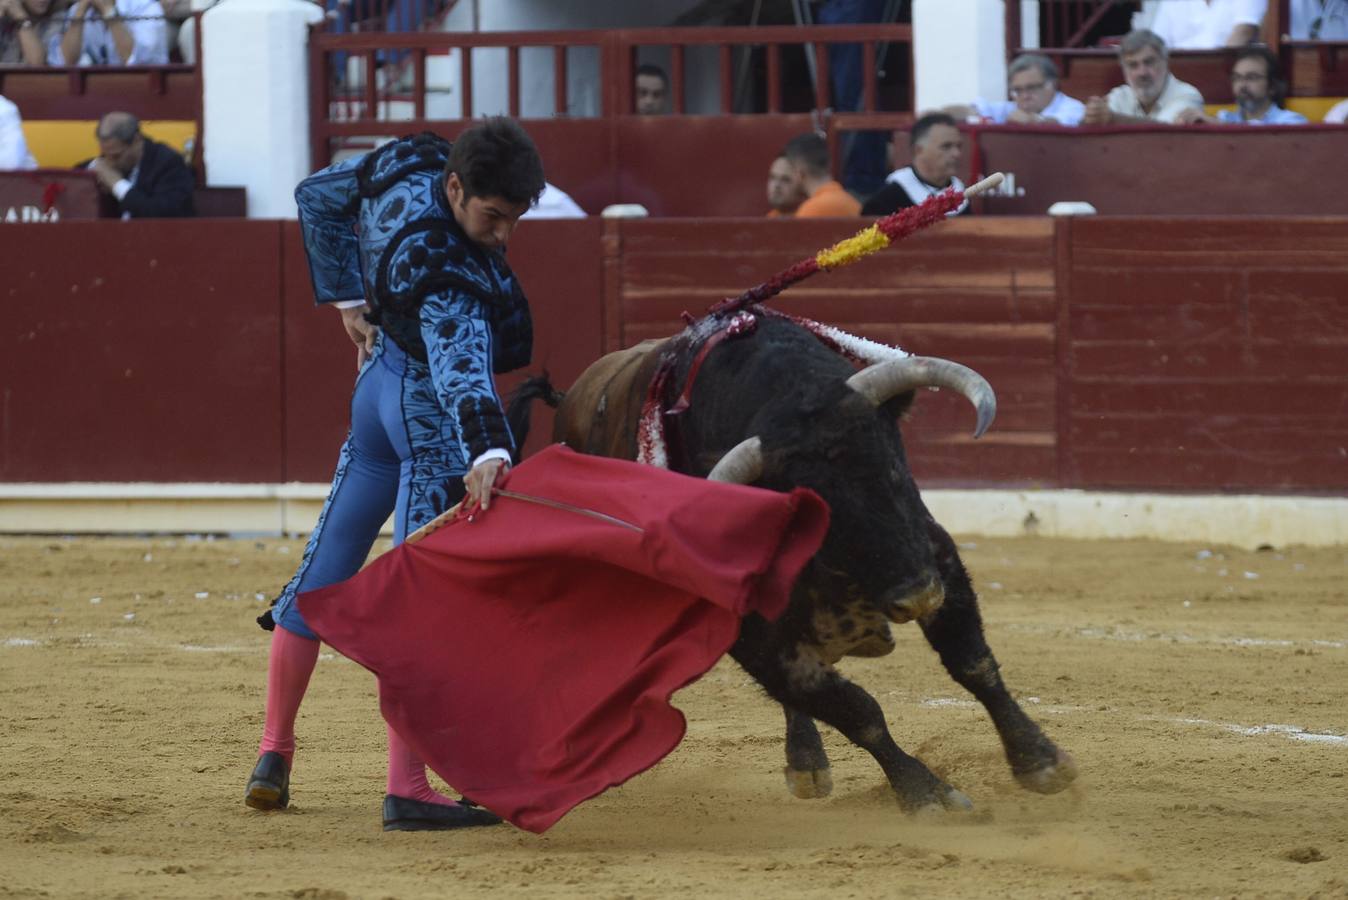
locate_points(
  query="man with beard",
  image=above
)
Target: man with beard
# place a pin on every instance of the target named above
(784, 192)
(1256, 80)
(1151, 93)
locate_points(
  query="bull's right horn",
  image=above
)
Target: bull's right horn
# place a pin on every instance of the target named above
(742, 465)
(892, 377)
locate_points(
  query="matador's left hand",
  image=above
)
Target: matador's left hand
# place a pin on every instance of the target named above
(480, 481)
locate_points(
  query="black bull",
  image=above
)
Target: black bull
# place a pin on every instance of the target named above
(779, 409)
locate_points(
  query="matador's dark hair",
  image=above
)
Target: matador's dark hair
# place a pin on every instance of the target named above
(497, 158)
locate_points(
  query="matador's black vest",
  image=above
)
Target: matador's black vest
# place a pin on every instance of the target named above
(425, 250)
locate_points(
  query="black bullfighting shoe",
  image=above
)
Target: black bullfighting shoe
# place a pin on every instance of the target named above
(269, 785)
(405, 814)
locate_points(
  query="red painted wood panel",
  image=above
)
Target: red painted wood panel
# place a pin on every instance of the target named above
(1208, 354)
(1167, 171)
(978, 291)
(141, 351)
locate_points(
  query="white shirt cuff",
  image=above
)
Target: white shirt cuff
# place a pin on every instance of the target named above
(120, 188)
(348, 304)
(495, 453)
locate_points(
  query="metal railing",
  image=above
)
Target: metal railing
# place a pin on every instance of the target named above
(369, 84)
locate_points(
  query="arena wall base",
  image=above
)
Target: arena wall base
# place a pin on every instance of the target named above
(1242, 520)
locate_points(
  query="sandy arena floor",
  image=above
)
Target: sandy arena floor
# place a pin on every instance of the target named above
(1202, 690)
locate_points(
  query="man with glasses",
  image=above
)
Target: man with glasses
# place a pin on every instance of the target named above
(1032, 81)
(1256, 81)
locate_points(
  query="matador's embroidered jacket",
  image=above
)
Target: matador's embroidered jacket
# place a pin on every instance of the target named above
(379, 227)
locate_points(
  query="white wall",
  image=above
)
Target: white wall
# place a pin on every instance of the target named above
(256, 101)
(959, 51)
(490, 90)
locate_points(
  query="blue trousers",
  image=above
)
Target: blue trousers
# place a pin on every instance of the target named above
(401, 456)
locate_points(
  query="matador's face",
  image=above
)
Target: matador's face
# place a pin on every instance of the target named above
(487, 221)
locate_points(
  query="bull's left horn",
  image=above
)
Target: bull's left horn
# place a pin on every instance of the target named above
(742, 465)
(882, 381)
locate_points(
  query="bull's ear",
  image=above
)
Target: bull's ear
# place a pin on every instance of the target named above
(897, 407)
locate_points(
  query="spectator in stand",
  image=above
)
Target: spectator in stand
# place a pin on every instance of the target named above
(1338, 114)
(112, 33)
(1256, 80)
(1151, 93)
(785, 194)
(813, 177)
(149, 180)
(652, 91)
(938, 149)
(1032, 81)
(1319, 20)
(27, 29)
(13, 148)
(1208, 24)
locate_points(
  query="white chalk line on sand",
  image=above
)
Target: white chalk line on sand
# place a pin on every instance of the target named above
(1292, 732)
(1178, 637)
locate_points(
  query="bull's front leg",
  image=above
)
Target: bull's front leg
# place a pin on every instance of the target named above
(795, 676)
(955, 631)
(807, 768)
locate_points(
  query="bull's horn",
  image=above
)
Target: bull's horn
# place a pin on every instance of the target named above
(892, 377)
(742, 465)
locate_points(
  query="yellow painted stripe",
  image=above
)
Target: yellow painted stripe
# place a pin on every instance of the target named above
(852, 249)
(60, 143)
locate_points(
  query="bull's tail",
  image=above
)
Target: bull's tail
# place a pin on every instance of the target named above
(520, 404)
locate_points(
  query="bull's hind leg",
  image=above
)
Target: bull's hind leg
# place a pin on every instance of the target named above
(955, 631)
(807, 768)
(797, 678)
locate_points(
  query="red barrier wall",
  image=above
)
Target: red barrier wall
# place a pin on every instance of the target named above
(1185, 354)
(141, 351)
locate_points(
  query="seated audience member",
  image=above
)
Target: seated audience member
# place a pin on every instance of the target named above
(1208, 24)
(27, 29)
(937, 151)
(1319, 20)
(651, 86)
(112, 33)
(1151, 93)
(149, 180)
(13, 148)
(1338, 114)
(554, 203)
(1032, 82)
(1256, 80)
(785, 194)
(824, 197)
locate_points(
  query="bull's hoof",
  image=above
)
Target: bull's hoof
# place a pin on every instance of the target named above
(809, 785)
(950, 800)
(1051, 778)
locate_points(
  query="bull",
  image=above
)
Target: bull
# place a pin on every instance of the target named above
(778, 408)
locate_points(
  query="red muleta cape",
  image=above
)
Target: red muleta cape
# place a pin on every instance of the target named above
(529, 655)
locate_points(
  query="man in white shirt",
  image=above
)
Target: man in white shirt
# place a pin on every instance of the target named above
(1151, 93)
(13, 148)
(1319, 20)
(112, 33)
(1208, 24)
(1032, 82)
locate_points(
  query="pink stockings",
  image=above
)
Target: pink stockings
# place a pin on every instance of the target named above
(289, 666)
(291, 663)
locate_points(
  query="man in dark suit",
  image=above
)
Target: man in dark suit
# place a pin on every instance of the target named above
(147, 179)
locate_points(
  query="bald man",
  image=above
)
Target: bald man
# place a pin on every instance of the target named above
(147, 179)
